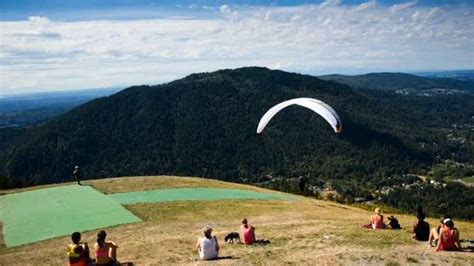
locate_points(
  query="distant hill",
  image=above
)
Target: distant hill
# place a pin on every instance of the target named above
(401, 81)
(467, 74)
(27, 109)
(204, 125)
(22, 102)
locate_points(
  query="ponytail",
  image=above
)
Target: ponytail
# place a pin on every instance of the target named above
(101, 238)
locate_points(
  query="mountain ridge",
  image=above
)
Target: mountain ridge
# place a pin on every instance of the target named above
(398, 81)
(204, 125)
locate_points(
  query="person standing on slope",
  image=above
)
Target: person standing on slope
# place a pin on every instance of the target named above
(77, 175)
(301, 183)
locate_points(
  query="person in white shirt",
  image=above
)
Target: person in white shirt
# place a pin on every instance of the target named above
(207, 246)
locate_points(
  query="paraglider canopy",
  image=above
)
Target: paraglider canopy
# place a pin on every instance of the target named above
(317, 106)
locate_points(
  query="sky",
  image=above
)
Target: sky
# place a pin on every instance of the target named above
(56, 45)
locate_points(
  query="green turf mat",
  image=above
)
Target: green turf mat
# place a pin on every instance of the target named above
(41, 214)
(176, 194)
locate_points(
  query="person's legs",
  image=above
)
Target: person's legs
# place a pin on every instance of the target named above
(433, 236)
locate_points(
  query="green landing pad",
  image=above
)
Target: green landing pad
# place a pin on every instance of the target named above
(176, 194)
(42, 214)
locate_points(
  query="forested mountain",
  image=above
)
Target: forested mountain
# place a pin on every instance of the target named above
(204, 125)
(402, 81)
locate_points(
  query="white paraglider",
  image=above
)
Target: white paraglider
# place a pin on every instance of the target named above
(319, 107)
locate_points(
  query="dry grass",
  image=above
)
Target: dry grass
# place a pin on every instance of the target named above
(127, 184)
(305, 231)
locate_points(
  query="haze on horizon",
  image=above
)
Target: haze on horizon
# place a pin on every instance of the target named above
(93, 44)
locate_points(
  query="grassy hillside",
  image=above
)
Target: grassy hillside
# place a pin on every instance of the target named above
(305, 231)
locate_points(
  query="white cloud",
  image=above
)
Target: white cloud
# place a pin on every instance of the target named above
(366, 5)
(228, 13)
(225, 9)
(401, 7)
(329, 3)
(40, 54)
(39, 20)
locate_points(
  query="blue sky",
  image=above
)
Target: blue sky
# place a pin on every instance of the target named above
(80, 9)
(60, 45)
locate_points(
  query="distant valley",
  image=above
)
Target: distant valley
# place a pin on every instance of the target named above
(27, 109)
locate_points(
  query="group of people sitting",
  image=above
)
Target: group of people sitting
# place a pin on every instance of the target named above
(208, 247)
(79, 255)
(377, 222)
(444, 237)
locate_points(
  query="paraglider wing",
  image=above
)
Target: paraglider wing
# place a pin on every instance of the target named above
(332, 118)
(317, 106)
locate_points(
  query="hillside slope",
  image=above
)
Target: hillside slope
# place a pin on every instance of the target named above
(204, 125)
(304, 231)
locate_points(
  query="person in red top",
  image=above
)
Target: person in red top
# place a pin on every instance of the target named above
(105, 252)
(448, 237)
(376, 220)
(248, 234)
(434, 233)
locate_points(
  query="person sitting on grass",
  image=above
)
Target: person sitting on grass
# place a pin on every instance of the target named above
(78, 252)
(448, 237)
(105, 252)
(376, 220)
(434, 233)
(421, 229)
(207, 246)
(393, 223)
(248, 234)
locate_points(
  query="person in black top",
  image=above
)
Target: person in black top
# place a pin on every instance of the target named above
(301, 183)
(421, 229)
(77, 175)
(393, 223)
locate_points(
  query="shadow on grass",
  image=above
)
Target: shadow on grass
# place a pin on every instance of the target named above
(468, 249)
(227, 258)
(218, 258)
